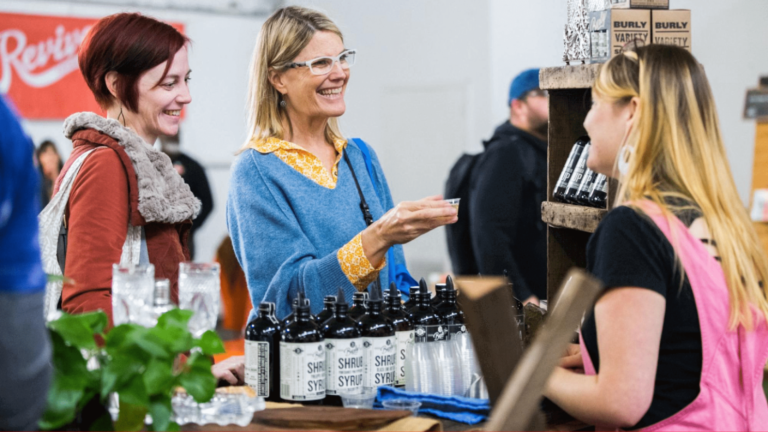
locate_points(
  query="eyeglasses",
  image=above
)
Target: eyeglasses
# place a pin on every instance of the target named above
(324, 65)
(536, 93)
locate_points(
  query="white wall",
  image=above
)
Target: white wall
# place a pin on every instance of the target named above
(214, 128)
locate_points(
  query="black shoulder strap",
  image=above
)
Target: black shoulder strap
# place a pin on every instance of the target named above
(363, 204)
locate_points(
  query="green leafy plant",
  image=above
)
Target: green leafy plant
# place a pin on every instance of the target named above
(137, 363)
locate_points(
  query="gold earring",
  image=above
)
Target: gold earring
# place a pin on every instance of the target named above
(121, 115)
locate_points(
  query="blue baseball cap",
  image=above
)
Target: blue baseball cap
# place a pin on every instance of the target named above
(523, 83)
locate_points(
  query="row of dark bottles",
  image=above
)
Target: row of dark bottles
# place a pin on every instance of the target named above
(314, 359)
(577, 183)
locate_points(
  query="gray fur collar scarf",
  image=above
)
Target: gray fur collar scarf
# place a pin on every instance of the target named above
(163, 195)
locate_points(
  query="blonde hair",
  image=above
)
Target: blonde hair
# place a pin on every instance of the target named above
(283, 36)
(679, 154)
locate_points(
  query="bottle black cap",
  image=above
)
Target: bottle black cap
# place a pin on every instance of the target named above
(449, 283)
(329, 299)
(424, 294)
(267, 307)
(375, 294)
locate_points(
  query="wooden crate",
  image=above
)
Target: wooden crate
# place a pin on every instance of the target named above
(568, 226)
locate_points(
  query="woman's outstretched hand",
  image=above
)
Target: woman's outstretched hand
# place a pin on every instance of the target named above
(405, 222)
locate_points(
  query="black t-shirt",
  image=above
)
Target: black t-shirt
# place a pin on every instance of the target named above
(629, 250)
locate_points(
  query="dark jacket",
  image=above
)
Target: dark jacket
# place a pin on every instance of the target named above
(508, 185)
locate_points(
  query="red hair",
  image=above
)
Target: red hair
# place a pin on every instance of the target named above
(129, 44)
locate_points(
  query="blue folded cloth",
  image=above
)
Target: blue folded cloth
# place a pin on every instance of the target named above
(460, 409)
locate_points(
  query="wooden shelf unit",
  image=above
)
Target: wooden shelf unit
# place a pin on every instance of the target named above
(571, 216)
(569, 227)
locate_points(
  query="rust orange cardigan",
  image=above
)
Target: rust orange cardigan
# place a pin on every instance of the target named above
(104, 199)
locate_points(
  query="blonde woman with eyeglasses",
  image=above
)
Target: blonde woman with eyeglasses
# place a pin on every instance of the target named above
(678, 340)
(309, 209)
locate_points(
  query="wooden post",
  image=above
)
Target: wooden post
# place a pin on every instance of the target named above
(518, 406)
(489, 315)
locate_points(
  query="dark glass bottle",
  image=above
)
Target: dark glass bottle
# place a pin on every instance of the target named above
(422, 313)
(403, 331)
(578, 174)
(379, 343)
(289, 318)
(448, 310)
(302, 358)
(565, 175)
(438, 298)
(328, 304)
(343, 353)
(358, 305)
(262, 353)
(582, 197)
(599, 195)
(412, 292)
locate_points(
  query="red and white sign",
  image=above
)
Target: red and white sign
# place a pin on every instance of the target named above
(38, 65)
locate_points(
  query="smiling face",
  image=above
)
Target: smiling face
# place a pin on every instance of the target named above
(314, 97)
(607, 124)
(160, 102)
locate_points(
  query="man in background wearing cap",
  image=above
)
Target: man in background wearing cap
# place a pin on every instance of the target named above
(507, 187)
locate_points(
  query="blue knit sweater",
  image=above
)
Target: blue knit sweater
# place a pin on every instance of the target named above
(286, 229)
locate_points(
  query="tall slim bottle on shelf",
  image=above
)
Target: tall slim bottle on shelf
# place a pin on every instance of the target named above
(590, 177)
(561, 187)
(403, 331)
(302, 358)
(343, 353)
(262, 353)
(577, 176)
(379, 343)
(328, 306)
(599, 196)
(359, 300)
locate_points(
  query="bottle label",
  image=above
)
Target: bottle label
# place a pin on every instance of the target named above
(565, 174)
(578, 171)
(302, 371)
(431, 333)
(601, 184)
(379, 362)
(404, 338)
(344, 365)
(257, 367)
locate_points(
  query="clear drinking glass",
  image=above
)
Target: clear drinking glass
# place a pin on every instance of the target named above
(199, 291)
(132, 294)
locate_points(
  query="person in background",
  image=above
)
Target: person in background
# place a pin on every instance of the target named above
(25, 351)
(678, 339)
(235, 299)
(50, 164)
(294, 210)
(507, 186)
(194, 175)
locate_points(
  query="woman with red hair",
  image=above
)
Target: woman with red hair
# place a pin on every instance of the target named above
(125, 202)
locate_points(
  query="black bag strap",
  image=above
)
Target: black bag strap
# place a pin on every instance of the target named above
(363, 204)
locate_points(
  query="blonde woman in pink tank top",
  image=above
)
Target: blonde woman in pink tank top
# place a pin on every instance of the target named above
(678, 340)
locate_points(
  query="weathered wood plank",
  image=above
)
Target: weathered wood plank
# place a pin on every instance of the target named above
(489, 314)
(568, 77)
(571, 216)
(519, 403)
